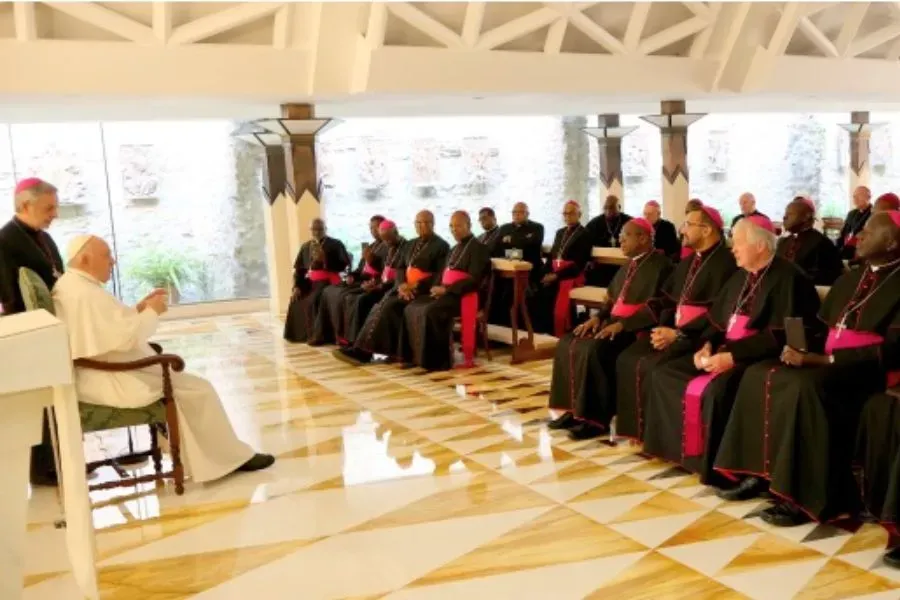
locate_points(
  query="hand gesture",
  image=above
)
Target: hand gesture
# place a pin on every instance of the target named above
(662, 337)
(795, 358)
(159, 303)
(701, 357)
(438, 291)
(588, 328)
(549, 278)
(610, 331)
(719, 363)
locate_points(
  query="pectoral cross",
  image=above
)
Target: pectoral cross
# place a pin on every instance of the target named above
(732, 321)
(678, 316)
(56, 274)
(841, 327)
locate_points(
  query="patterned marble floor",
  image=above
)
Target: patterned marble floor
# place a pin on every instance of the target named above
(395, 484)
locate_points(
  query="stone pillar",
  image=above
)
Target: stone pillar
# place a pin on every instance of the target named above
(673, 123)
(860, 130)
(609, 145)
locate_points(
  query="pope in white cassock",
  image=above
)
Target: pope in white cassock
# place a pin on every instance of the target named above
(103, 328)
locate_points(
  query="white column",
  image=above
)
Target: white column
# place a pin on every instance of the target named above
(279, 258)
(609, 145)
(673, 123)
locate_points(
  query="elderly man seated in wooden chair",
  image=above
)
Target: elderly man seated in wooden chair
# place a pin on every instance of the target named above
(104, 329)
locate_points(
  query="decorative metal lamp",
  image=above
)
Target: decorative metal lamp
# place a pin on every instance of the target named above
(673, 121)
(608, 128)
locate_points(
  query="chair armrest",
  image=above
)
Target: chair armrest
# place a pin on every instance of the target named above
(173, 361)
(156, 347)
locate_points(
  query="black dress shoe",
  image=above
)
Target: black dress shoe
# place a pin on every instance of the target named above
(584, 431)
(892, 557)
(564, 421)
(258, 463)
(352, 356)
(749, 488)
(784, 514)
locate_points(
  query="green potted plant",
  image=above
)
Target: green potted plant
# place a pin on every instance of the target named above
(160, 268)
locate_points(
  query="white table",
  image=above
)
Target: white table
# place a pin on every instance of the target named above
(35, 373)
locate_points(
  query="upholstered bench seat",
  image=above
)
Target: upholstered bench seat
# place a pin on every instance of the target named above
(96, 417)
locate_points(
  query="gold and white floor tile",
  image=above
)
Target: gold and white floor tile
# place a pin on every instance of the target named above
(396, 484)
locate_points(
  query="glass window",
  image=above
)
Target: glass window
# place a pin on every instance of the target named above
(398, 166)
(776, 156)
(180, 202)
(70, 156)
(885, 166)
(7, 176)
(188, 210)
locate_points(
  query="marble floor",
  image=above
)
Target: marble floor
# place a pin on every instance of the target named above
(396, 484)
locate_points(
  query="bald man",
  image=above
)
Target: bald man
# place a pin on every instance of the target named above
(24, 242)
(102, 328)
(428, 319)
(793, 417)
(665, 236)
(418, 271)
(854, 222)
(331, 320)
(319, 264)
(604, 231)
(747, 202)
(807, 247)
(522, 238)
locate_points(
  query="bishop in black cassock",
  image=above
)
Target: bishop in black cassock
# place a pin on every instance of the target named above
(319, 264)
(357, 306)
(793, 420)
(418, 270)
(24, 242)
(427, 334)
(686, 297)
(808, 248)
(603, 231)
(331, 321)
(691, 396)
(564, 271)
(665, 236)
(522, 238)
(854, 222)
(878, 458)
(584, 366)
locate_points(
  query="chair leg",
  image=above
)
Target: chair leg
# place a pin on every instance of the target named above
(482, 327)
(154, 449)
(175, 445)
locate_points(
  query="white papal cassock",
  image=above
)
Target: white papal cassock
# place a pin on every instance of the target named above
(103, 328)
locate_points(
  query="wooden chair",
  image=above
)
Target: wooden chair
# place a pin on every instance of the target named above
(158, 417)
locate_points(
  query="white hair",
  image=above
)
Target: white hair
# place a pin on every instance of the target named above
(30, 195)
(756, 234)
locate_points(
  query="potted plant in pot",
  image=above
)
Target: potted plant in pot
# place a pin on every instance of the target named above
(161, 268)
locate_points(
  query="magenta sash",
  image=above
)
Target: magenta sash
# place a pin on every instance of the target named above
(562, 318)
(850, 240)
(623, 311)
(468, 314)
(693, 407)
(687, 313)
(388, 274)
(848, 339)
(370, 270)
(322, 275)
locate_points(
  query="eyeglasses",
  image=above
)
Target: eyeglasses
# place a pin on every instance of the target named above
(693, 224)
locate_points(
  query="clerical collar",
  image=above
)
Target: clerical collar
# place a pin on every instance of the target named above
(87, 276)
(709, 250)
(640, 256)
(492, 229)
(28, 228)
(465, 239)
